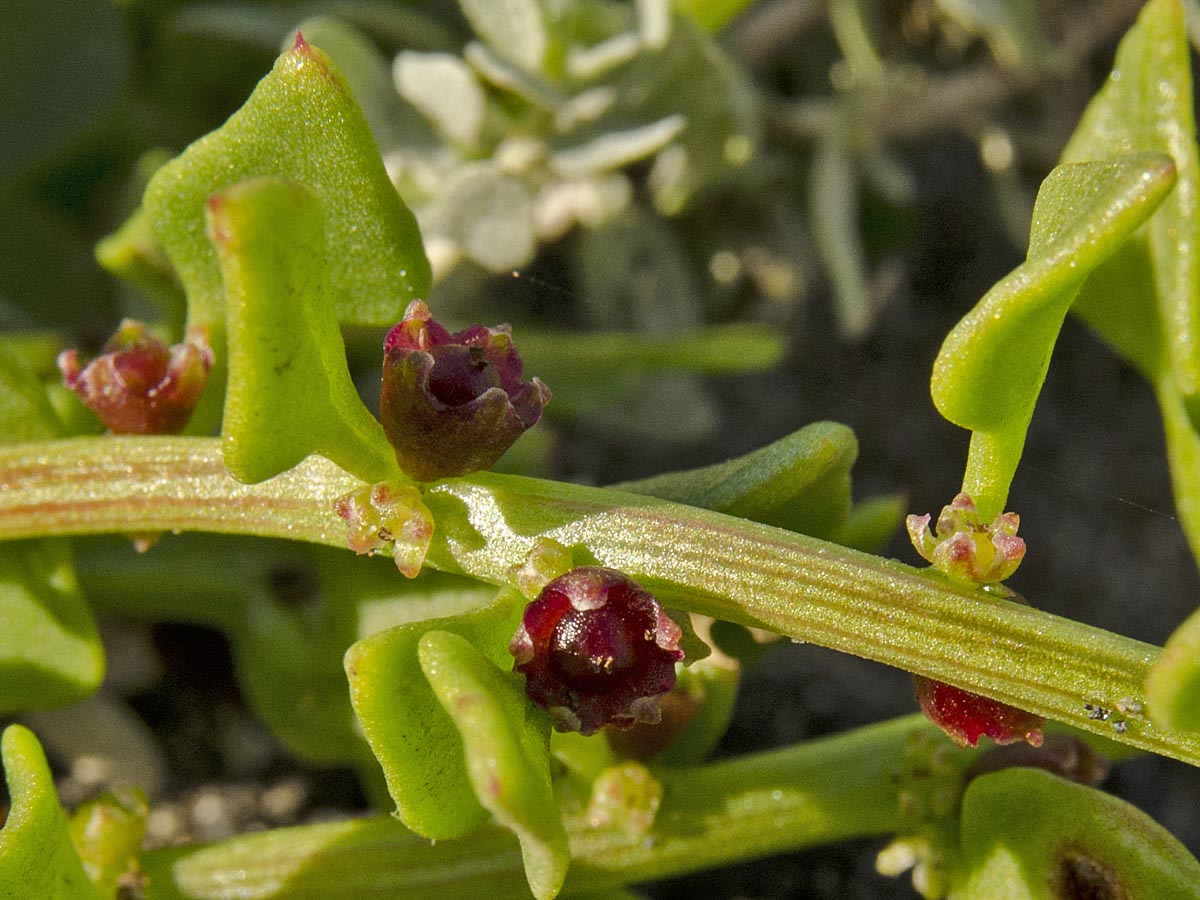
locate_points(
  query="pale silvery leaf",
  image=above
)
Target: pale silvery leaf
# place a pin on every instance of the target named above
(514, 29)
(654, 23)
(617, 149)
(445, 90)
(488, 214)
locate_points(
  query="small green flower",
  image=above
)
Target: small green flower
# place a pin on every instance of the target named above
(965, 549)
(970, 552)
(388, 514)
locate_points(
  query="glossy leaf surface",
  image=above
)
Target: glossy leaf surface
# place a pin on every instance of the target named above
(36, 855)
(302, 123)
(506, 741)
(1030, 835)
(414, 739)
(290, 392)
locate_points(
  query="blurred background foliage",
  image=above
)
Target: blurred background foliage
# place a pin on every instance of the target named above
(649, 169)
(759, 214)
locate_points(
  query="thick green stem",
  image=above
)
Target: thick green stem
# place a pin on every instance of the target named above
(805, 795)
(146, 484)
(697, 560)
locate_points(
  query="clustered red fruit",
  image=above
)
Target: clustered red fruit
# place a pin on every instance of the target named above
(596, 649)
(139, 385)
(966, 717)
(451, 404)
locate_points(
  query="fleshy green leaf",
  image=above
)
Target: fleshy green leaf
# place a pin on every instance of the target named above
(286, 608)
(290, 610)
(1146, 106)
(107, 834)
(36, 855)
(25, 410)
(1143, 300)
(800, 482)
(1030, 835)
(1173, 683)
(301, 122)
(872, 522)
(414, 739)
(506, 741)
(50, 653)
(290, 661)
(991, 366)
(290, 392)
(1183, 454)
(368, 75)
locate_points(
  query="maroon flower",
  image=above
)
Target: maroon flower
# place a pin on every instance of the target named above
(453, 403)
(139, 385)
(596, 649)
(966, 717)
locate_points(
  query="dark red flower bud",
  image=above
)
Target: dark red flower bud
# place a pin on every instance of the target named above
(596, 649)
(453, 403)
(139, 385)
(966, 717)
